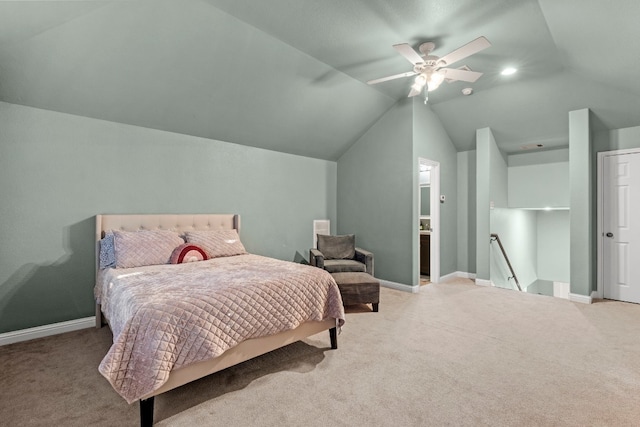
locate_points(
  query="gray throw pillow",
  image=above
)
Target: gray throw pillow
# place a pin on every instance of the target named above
(337, 247)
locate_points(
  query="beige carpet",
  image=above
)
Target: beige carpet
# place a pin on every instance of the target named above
(454, 354)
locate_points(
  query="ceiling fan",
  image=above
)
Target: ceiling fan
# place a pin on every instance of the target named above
(432, 70)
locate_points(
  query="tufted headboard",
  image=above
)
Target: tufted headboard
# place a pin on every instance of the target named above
(177, 222)
(174, 222)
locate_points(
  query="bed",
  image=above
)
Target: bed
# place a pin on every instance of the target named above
(178, 321)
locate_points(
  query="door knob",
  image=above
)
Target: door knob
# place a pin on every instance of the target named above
(609, 234)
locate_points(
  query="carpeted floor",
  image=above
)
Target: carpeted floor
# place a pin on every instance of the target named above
(453, 354)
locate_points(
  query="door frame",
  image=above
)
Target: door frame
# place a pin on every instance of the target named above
(600, 214)
(434, 213)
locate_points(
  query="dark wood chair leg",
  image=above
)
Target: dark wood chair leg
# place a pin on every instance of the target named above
(375, 307)
(146, 412)
(333, 334)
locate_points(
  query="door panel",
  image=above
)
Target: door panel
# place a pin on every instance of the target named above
(621, 228)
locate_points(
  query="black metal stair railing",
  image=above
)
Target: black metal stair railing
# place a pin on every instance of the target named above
(496, 238)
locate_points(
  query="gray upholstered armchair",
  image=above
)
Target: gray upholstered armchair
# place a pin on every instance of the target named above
(339, 254)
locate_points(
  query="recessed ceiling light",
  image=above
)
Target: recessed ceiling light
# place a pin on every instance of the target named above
(508, 71)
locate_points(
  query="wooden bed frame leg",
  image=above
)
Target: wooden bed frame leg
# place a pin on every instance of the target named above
(98, 316)
(333, 334)
(146, 412)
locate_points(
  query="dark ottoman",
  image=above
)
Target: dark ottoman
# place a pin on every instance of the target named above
(358, 288)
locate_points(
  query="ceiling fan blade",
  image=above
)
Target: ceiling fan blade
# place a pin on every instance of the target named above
(414, 92)
(468, 49)
(407, 51)
(395, 76)
(463, 75)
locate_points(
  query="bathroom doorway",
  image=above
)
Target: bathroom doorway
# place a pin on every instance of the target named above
(429, 217)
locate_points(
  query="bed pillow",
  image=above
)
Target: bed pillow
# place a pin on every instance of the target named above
(217, 243)
(188, 252)
(145, 247)
(107, 251)
(337, 247)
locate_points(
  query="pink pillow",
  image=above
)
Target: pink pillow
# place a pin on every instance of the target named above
(144, 247)
(217, 243)
(188, 253)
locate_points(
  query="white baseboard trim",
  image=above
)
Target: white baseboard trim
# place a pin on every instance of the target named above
(399, 286)
(483, 282)
(584, 299)
(46, 330)
(458, 275)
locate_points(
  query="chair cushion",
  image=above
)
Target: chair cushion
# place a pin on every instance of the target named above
(343, 266)
(337, 247)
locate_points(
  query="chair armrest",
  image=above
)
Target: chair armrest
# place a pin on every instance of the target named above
(316, 258)
(366, 258)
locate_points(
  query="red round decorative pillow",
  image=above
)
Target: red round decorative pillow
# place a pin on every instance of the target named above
(188, 252)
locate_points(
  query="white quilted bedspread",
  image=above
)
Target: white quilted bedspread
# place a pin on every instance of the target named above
(168, 316)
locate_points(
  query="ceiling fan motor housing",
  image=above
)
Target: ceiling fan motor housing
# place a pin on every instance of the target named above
(429, 61)
(426, 48)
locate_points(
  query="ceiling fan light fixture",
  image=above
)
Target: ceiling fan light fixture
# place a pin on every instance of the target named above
(419, 82)
(434, 80)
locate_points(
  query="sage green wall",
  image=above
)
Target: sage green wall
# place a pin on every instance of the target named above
(375, 194)
(538, 180)
(378, 190)
(516, 228)
(539, 186)
(616, 139)
(467, 211)
(553, 245)
(522, 232)
(499, 176)
(491, 191)
(582, 249)
(483, 201)
(57, 171)
(527, 158)
(518, 233)
(431, 141)
(537, 243)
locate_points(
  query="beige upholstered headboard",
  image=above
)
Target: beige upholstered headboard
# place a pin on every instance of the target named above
(177, 222)
(174, 222)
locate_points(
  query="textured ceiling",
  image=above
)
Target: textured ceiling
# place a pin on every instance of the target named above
(290, 75)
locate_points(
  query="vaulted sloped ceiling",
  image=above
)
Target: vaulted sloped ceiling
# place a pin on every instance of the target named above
(290, 75)
(184, 67)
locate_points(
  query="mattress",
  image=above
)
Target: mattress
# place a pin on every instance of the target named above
(165, 317)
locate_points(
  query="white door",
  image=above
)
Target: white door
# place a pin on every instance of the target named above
(621, 226)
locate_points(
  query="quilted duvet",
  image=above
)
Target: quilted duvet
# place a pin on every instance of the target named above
(166, 317)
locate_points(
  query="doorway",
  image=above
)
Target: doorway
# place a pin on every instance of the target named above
(429, 217)
(619, 225)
